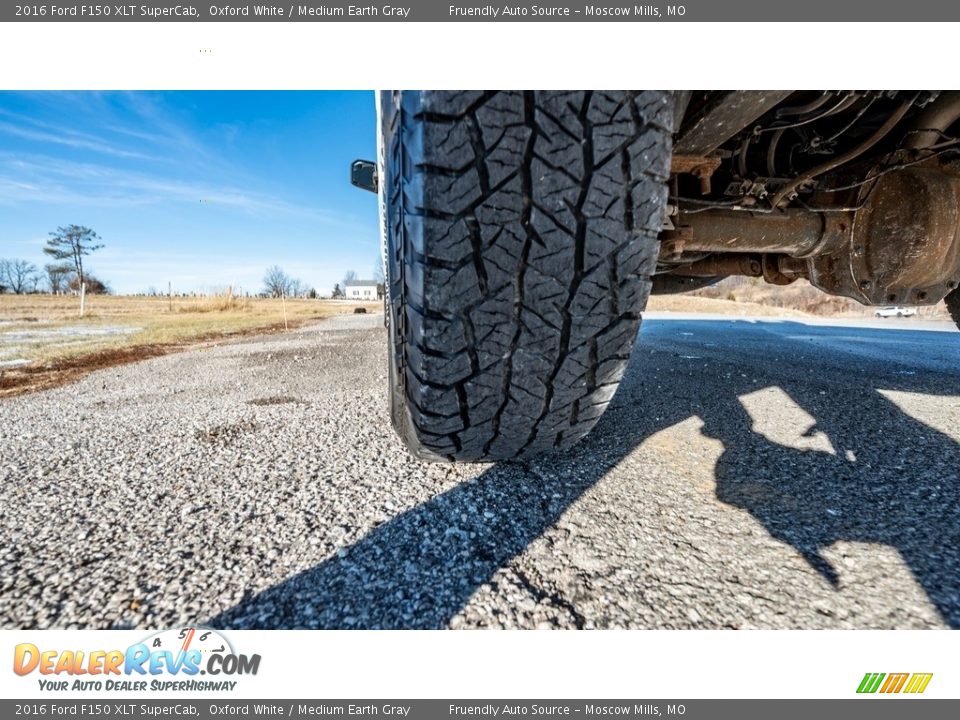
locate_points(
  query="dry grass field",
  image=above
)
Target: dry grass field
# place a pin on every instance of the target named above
(44, 341)
(687, 303)
(798, 297)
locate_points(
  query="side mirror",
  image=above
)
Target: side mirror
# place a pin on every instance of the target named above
(363, 174)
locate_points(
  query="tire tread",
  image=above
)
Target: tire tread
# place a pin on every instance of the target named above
(522, 234)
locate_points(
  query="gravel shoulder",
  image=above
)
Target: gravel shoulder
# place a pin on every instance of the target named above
(749, 474)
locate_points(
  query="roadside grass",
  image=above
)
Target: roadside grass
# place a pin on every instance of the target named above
(736, 297)
(57, 344)
(798, 296)
(685, 303)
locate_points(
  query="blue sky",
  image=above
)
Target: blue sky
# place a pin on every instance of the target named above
(202, 189)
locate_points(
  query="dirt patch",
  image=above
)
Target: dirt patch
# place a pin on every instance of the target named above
(225, 433)
(276, 400)
(29, 378)
(24, 379)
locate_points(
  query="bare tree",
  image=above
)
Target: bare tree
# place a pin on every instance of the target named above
(296, 288)
(4, 282)
(20, 276)
(58, 276)
(349, 276)
(378, 278)
(275, 281)
(72, 242)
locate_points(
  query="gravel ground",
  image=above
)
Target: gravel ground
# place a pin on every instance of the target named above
(748, 474)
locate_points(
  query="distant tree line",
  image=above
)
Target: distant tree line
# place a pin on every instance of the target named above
(67, 246)
(276, 283)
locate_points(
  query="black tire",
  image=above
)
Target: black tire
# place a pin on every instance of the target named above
(953, 305)
(521, 238)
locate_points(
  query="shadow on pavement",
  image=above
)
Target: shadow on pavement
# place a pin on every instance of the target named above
(892, 481)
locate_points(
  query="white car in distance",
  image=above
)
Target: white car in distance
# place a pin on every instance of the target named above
(895, 311)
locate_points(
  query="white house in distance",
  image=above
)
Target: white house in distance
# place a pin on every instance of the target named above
(360, 290)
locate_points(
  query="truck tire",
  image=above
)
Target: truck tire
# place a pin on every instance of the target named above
(521, 234)
(952, 301)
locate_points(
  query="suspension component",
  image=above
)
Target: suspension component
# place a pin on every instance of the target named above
(900, 245)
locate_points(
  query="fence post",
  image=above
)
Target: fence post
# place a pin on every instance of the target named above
(83, 297)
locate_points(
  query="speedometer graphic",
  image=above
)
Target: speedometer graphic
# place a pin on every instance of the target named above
(181, 640)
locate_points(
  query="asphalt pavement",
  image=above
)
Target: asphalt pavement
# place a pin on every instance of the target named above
(749, 474)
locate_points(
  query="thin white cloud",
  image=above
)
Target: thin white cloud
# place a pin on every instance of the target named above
(167, 140)
(72, 139)
(168, 132)
(40, 179)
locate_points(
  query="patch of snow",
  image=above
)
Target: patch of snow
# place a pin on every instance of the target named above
(70, 331)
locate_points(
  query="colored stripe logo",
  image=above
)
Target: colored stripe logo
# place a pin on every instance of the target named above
(913, 683)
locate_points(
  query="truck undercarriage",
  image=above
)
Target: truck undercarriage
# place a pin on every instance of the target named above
(856, 191)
